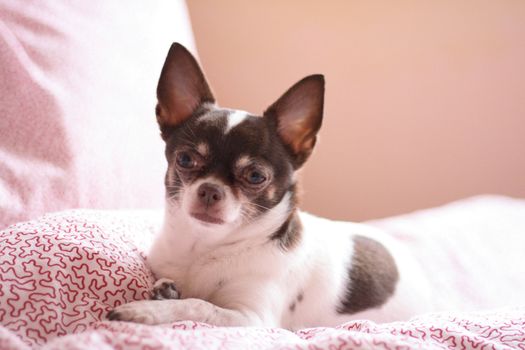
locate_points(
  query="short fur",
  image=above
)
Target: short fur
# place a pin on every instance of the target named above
(234, 247)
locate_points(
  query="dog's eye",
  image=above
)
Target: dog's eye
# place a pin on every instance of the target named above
(255, 177)
(185, 160)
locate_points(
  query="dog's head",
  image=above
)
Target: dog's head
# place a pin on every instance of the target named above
(229, 168)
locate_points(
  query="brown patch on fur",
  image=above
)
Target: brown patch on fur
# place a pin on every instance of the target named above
(373, 276)
(292, 307)
(289, 234)
(298, 299)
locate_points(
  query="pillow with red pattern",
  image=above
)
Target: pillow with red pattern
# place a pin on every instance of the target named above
(61, 273)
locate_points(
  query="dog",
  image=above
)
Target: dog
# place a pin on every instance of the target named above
(234, 249)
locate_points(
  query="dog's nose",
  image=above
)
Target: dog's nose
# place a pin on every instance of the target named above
(210, 194)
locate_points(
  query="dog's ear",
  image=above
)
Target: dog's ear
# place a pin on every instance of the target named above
(298, 115)
(181, 90)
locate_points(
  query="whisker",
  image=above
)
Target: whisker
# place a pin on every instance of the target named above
(173, 186)
(247, 217)
(260, 206)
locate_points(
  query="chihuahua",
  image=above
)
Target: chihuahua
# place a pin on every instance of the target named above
(234, 249)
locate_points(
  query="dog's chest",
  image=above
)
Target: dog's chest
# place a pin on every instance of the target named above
(219, 276)
(202, 279)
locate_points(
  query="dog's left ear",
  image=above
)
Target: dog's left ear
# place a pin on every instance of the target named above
(298, 115)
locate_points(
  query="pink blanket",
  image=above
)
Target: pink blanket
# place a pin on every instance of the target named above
(502, 329)
(60, 274)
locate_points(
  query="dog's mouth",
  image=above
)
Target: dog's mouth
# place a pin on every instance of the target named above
(208, 219)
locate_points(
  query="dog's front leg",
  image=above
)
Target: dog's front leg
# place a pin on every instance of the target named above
(171, 310)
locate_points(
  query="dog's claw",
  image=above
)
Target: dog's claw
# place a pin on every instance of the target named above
(113, 315)
(165, 290)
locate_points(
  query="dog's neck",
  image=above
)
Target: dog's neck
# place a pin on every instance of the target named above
(187, 237)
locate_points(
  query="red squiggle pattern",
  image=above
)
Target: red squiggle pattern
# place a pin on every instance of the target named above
(59, 275)
(502, 329)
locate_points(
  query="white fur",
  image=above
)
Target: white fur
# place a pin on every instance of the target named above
(234, 119)
(238, 277)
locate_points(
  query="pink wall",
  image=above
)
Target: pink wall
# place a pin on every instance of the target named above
(425, 99)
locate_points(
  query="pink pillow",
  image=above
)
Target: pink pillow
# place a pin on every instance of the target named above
(77, 99)
(62, 273)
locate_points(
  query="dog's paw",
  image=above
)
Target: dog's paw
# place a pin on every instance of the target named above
(137, 311)
(164, 289)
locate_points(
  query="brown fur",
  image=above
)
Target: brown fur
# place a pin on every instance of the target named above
(373, 276)
(289, 234)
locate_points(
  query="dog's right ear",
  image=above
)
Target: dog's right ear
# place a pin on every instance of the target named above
(181, 90)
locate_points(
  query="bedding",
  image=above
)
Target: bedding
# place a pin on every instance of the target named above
(60, 274)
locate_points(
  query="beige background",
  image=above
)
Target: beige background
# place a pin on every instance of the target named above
(425, 99)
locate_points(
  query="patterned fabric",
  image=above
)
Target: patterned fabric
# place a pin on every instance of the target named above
(502, 329)
(62, 273)
(59, 276)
